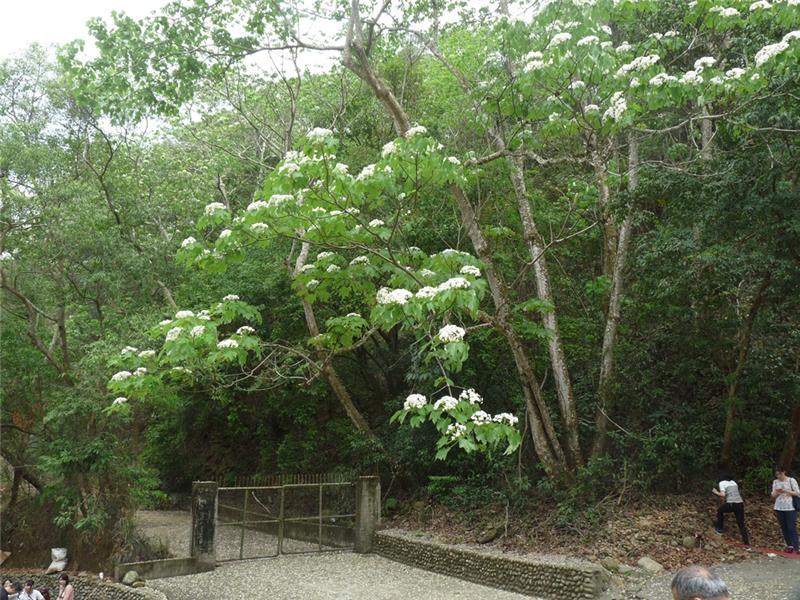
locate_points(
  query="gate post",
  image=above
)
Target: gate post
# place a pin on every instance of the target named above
(368, 512)
(204, 521)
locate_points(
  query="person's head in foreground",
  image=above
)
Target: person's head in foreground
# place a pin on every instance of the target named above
(698, 583)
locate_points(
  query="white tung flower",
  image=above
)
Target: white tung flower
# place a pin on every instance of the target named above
(213, 208)
(256, 206)
(147, 354)
(173, 334)
(307, 268)
(635, 82)
(359, 260)
(277, 200)
(451, 333)
(259, 227)
(426, 292)
(470, 270)
(229, 343)
(230, 298)
(416, 130)
(471, 396)
(427, 273)
(734, 73)
(480, 417)
(288, 168)
(624, 47)
(505, 417)
(661, 79)
(204, 315)
(318, 134)
(128, 350)
(415, 401)
(760, 5)
(724, 11)
(184, 314)
(792, 35)
(376, 223)
(165, 322)
(691, 77)
(577, 85)
(445, 403)
(120, 400)
(312, 283)
(560, 38)
(454, 283)
(333, 268)
(188, 242)
(366, 172)
(121, 375)
(323, 255)
(389, 296)
(340, 169)
(453, 160)
(702, 63)
(388, 149)
(197, 330)
(140, 371)
(769, 51)
(605, 29)
(225, 233)
(245, 330)
(638, 63)
(589, 39)
(618, 107)
(591, 108)
(456, 430)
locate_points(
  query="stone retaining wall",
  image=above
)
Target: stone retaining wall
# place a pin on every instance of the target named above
(86, 588)
(554, 578)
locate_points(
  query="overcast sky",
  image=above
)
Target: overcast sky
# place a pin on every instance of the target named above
(23, 22)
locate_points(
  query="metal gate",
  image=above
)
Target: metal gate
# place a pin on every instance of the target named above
(301, 514)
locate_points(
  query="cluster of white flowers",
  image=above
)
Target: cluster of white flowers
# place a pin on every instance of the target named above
(245, 330)
(638, 63)
(229, 343)
(427, 273)
(416, 130)
(256, 206)
(769, 51)
(792, 35)
(121, 376)
(452, 160)
(456, 430)
(702, 63)
(480, 417)
(734, 73)
(366, 172)
(230, 298)
(415, 401)
(340, 169)
(671, 33)
(147, 354)
(533, 65)
(225, 233)
(724, 11)
(128, 350)
(635, 82)
(560, 38)
(451, 333)
(188, 242)
(445, 403)
(259, 227)
(691, 78)
(359, 260)
(204, 315)
(760, 4)
(388, 149)
(618, 107)
(140, 371)
(213, 208)
(173, 334)
(426, 292)
(470, 270)
(324, 254)
(453, 251)
(277, 200)
(197, 330)
(120, 400)
(591, 108)
(661, 79)
(318, 134)
(589, 39)
(454, 283)
(576, 85)
(624, 47)
(507, 417)
(165, 322)
(288, 168)
(181, 370)
(387, 296)
(471, 396)
(184, 314)
(376, 223)
(312, 284)
(333, 268)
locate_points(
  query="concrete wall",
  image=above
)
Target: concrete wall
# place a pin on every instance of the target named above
(554, 578)
(87, 587)
(169, 567)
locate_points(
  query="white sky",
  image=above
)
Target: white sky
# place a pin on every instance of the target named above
(23, 22)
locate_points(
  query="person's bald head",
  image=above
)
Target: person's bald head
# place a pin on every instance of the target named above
(698, 583)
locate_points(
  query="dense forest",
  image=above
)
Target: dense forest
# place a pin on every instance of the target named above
(549, 250)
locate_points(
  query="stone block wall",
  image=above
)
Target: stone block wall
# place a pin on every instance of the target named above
(86, 587)
(554, 578)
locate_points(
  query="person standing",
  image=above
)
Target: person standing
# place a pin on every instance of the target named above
(65, 589)
(28, 593)
(8, 588)
(784, 490)
(732, 503)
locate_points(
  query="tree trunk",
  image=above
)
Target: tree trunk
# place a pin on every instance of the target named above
(604, 400)
(733, 387)
(790, 446)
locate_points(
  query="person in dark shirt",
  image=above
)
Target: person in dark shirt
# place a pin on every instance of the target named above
(8, 588)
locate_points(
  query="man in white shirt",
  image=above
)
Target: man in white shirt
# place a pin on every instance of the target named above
(729, 492)
(28, 593)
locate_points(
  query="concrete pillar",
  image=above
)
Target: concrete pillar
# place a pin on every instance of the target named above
(204, 521)
(368, 512)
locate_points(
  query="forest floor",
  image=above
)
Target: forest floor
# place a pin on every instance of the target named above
(674, 530)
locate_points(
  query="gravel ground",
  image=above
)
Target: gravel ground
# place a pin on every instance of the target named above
(322, 577)
(759, 579)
